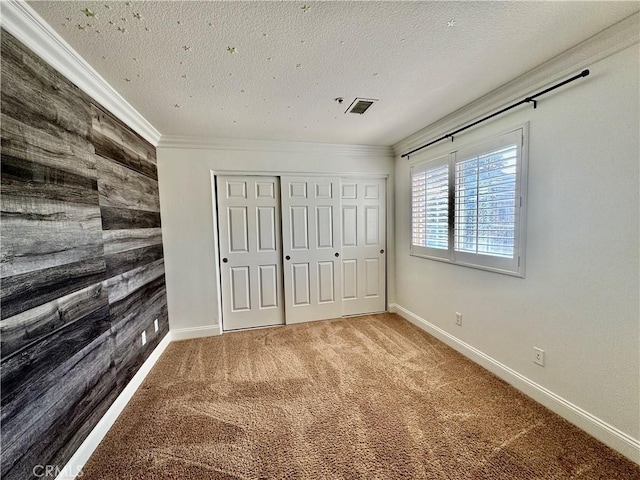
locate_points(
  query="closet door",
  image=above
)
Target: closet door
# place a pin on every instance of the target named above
(250, 253)
(363, 245)
(311, 248)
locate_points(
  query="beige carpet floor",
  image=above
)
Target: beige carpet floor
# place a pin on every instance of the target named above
(361, 398)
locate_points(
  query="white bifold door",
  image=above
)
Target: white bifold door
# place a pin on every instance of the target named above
(311, 248)
(250, 252)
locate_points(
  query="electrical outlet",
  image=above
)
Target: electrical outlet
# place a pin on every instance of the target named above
(155, 325)
(538, 356)
(458, 319)
(144, 338)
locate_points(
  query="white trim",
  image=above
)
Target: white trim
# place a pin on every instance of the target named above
(614, 39)
(281, 173)
(194, 332)
(79, 459)
(251, 145)
(609, 435)
(26, 25)
(216, 248)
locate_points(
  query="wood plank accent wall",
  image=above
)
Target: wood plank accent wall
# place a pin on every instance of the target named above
(81, 262)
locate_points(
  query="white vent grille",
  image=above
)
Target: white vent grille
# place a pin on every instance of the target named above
(360, 105)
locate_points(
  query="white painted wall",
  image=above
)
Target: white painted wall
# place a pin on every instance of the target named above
(580, 298)
(187, 209)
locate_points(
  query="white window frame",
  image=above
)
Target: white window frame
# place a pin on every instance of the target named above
(509, 266)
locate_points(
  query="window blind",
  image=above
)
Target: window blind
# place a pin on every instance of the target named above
(466, 207)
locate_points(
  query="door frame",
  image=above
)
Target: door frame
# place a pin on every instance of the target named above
(281, 173)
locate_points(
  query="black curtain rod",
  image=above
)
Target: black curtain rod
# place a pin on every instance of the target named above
(530, 99)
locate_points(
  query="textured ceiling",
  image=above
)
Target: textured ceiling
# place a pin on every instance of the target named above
(271, 70)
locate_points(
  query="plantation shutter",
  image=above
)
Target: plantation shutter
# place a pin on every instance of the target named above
(430, 208)
(487, 203)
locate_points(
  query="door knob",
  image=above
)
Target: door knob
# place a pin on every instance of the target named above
(287, 257)
(225, 260)
(382, 251)
(337, 254)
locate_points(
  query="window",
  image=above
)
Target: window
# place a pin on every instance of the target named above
(467, 207)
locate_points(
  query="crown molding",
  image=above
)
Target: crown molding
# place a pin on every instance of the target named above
(26, 25)
(613, 39)
(252, 145)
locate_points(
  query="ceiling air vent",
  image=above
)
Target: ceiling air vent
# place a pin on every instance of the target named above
(360, 105)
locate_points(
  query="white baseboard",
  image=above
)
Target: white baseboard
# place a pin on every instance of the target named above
(607, 434)
(74, 466)
(194, 332)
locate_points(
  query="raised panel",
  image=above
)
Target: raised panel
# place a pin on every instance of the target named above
(266, 229)
(349, 279)
(299, 228)
(324, 190)
(371, 192)
(372, 269)
(324, 219)
(236, 189)
(238, 229)
(268, 286)
(240, 289)
(349, 191)
(371, 225)
(326, 288)
(301, 289)
(298, 190)
(349, 226)
(265, 190)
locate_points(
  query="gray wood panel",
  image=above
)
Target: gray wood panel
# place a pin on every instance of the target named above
(34, 431)
(80, 262)
(122, 218)
(19, 293)
(109, 148)
(124, 284)
(35, 93)
(29, 326)
(23, 141)
(38, 233)
(121, 187)
(25, 179)
(105, 125)
(130, 259)
(117, 241)
(30, 364)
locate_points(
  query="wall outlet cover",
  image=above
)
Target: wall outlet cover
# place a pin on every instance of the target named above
(538, 356)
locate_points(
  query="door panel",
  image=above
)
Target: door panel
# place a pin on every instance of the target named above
(299, 228)
(311, 237)
(363, 207)
(372, 226)
(349, 279)
(324, 227)
(249, 236)
(267, 229)
(238, 229)
(240, 289)
(268, 286)
(372, 274)
(301, 293)
(326, 288)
